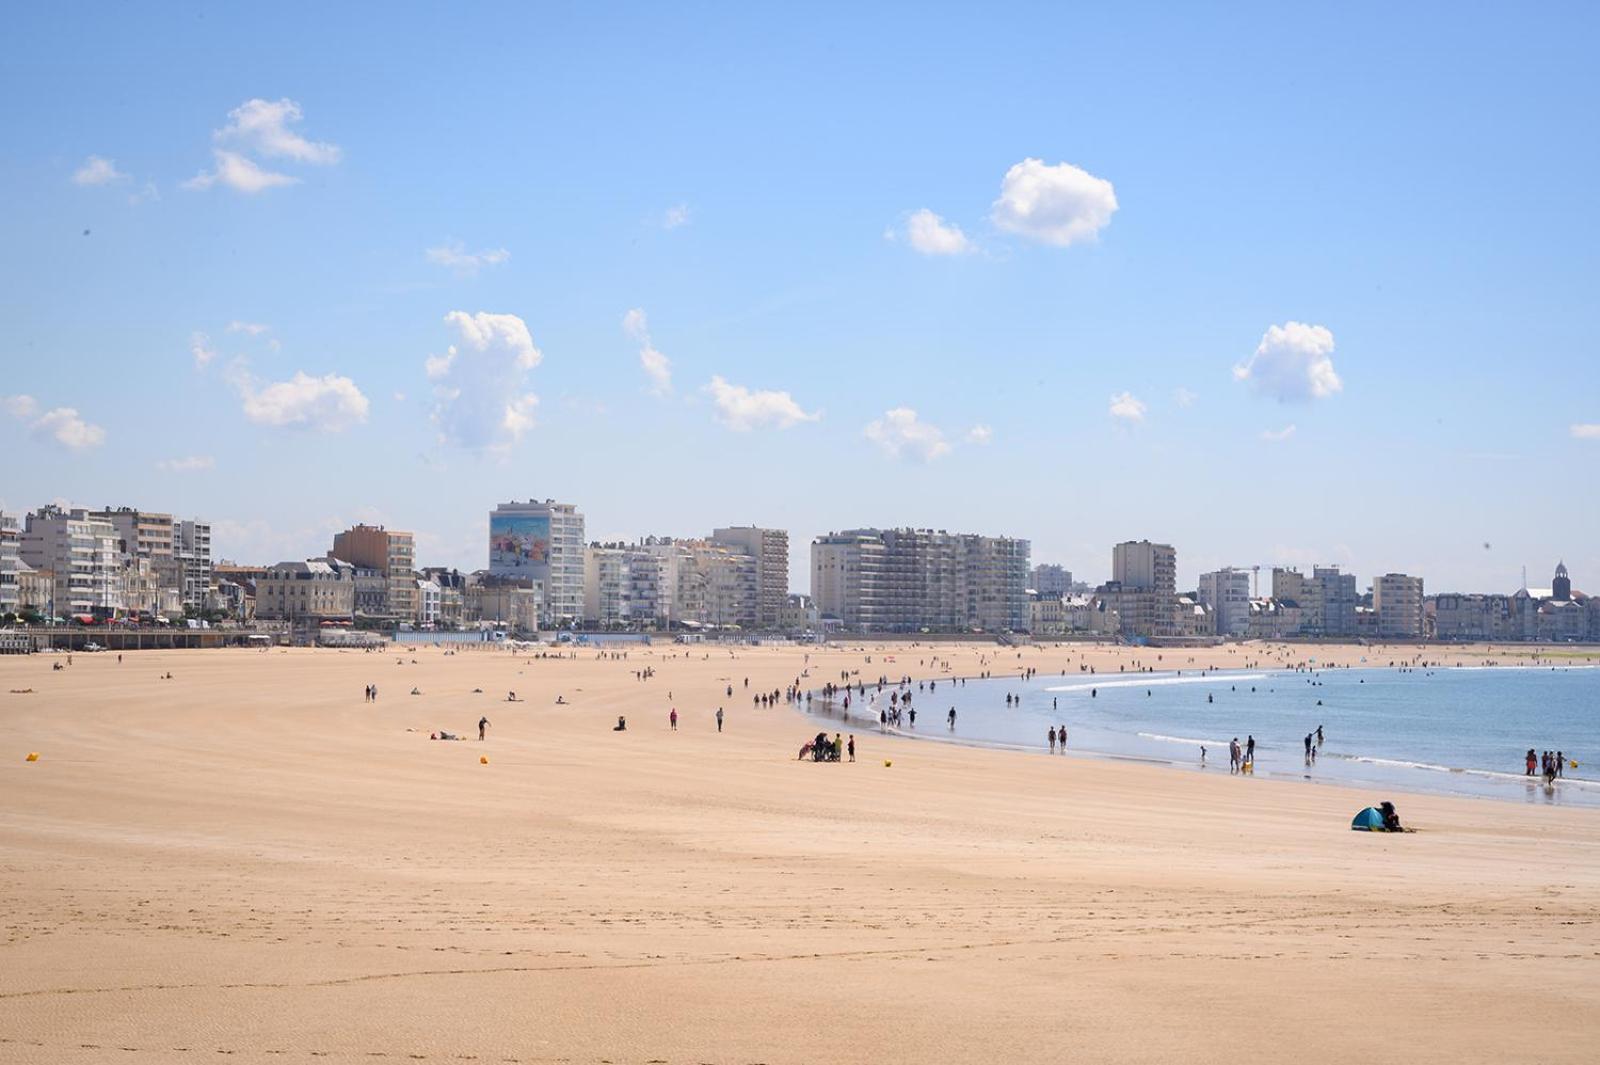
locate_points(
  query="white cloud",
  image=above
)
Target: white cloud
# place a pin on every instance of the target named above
(65, 427)
(187, 464)
(656, 366)
(743, 409)
(980, 434)
(1276, 435)
(239, 174)
(675, 216)
(20, 406)
(1058, 204)
(456, 256)
(1184, 397)
(146, 194)
(202, 351)
(1579, 432)
(479, 381)
(899, 432)
(255, 329)
(97, 170)
(330, 403)
(929, 234)
(1127, 407)
(260, 128)
(1293, 363)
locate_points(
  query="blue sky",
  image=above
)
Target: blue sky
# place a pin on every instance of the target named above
(1406, 193)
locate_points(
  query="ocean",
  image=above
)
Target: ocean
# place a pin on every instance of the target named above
(1461, 731)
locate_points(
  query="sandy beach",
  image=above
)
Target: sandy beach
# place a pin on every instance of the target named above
(249, 860)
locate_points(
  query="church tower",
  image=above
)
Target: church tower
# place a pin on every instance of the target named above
(1561, 587)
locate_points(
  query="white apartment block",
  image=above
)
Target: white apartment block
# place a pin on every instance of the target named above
(907, 580)
(770, 549)
(1052, 581)
(84, 555)
(544, 542)
(1397, 600)
(1227, 592)
(10, 563)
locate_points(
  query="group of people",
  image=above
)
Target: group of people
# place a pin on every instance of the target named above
(821, 749)
(372, 693)
(1058, 738)
(1552, 764)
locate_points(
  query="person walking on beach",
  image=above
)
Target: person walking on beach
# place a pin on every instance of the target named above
(851, 746)
(1233, 755)
(1250, 748)
(1052, 739)
(672, 719)
(1061, 737)
(1308, 748)
(483, 723)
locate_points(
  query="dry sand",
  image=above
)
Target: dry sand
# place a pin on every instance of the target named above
(250, 863)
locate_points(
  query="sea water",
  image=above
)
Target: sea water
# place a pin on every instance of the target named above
(1460, 730)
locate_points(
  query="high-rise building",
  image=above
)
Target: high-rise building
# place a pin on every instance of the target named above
(907, 580)
(1227, 592)
(542, 542)
(1397, 599)
(1335, 598)
(390, 552)
(191, 551)
(770, 549)
(10, 563)
(1141, 566)
(1051, 581)
(84, 555)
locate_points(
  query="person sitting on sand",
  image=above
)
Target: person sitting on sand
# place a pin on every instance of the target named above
(1391, 819)
(622, 724)
(561, 700)
(416, 691)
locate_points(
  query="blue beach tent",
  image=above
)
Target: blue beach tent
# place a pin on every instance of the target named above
(1368, 820)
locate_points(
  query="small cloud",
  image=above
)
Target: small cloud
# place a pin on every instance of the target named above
(1184, 398)
(201, 350)
(742, 409)
(399, 397)
(260, 128)
(330, 403)
(675, 216)
(64, 426)
(187, 464)
(657, 367)
(929, 234)
(900, 432)
(148, 193)
(466, 263)
(238, 173)
(20, 406)
(1060, 204)
(1126, 407)
(1293, 364)
(980, 434)
(97, 170)
(1276, 435)
(255, 329)
(1590, 431)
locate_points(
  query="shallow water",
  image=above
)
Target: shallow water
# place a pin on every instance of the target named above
(1451, 730)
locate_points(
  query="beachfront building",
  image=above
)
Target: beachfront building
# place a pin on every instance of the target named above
(800, 614)
(390, 552)
(1273, 619)
(309, 592)
(1142, 592)
(910, 580)
(1049, 580)
(428, 597)
(541, 542)
(770, 550)
(83, 553)
(1327, 599)
(179, 553)
(1227, 592)
(607, 585)
(1139, 565)
(515, 604)
(10, 563)
(191, 552)
(1397, 602)
(452, 593)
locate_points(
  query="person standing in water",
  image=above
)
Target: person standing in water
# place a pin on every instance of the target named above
(1250, 748)
(1052, 739)
(952, 719)
(1319, 728)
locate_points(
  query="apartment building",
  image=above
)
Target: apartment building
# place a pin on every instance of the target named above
(1397, 601)
(1141, 566)
(390, 552)
(1052, 581)
(909, 580)
(82, 552)
(541, 542)
(316, 590)
(1327, 599)
(1227, 593)
(770, 550)
(10, 563)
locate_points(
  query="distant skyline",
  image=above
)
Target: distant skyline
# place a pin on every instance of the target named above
(1277, 287)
